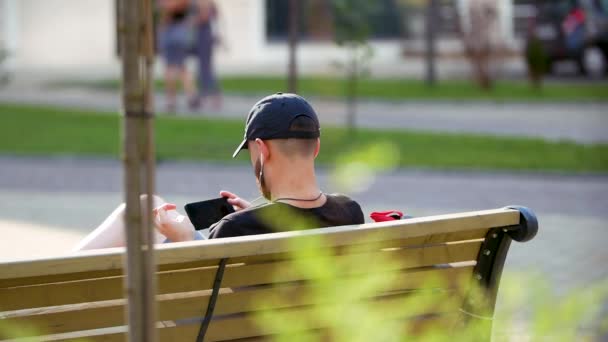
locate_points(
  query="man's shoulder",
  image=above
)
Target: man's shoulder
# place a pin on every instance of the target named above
(242, 222)
(342, 210)
(246, 215)
(339, 209)
(341, 200)
(250, 212)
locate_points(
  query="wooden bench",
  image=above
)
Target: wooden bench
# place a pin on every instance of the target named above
(69, 297)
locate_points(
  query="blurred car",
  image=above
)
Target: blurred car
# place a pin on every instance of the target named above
(572, 30)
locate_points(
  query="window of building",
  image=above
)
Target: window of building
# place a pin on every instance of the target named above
(317, 19)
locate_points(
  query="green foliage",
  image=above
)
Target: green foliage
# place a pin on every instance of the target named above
(352, 23)
(357, 170)
(532, 308)
(30, 130)
(343, 297)
(352, 20)
(537, 60)
(356, 300)
(408, 89)
(17, 330)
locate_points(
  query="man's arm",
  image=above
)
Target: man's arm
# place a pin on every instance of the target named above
(237, 202)
(172, 224)
(177, 227)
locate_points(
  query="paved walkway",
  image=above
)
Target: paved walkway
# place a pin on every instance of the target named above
(49, 204)
(582, 122)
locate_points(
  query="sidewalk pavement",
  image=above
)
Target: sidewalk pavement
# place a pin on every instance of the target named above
(584, 122)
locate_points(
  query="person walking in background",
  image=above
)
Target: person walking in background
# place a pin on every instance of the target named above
(175, 40)
(206, 39)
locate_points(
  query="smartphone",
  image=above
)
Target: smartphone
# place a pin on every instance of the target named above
(205, 213)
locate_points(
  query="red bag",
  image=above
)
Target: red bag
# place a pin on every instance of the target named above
(383, 216)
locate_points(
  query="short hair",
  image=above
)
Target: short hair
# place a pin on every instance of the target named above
(296, 146)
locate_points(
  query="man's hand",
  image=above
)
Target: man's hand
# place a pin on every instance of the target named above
(237, 202)
(171, 224)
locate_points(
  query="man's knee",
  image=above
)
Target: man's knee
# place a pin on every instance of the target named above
(156, 200)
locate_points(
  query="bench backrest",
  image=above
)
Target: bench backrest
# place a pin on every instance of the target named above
(82, 295)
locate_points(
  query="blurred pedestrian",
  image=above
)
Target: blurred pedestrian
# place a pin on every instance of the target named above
(176, 37)
(206, 39)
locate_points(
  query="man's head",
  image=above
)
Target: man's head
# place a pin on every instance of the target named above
(282, 135)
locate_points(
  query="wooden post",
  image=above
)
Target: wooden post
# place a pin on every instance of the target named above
(292, 77)
(135, 28)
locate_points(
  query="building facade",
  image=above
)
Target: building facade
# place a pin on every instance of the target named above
(77, 37)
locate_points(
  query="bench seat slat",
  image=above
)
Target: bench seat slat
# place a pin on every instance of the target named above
(235, 276)
(244, 326)
(287, 271)
(111, 259)
(419, 241)
(183, 306)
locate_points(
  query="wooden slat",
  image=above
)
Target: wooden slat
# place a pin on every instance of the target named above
(234, 276)
(417, 242)
(355, 248)
(28, 297)
(287, 271)
(412, 242)
(111, 259)
(58, 278)
(244, 326)
(340, 236)
(416, 326)
(174, 307)
(108, 259)
(420, 242)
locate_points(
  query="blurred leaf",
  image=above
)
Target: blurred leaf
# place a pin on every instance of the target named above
(355, 171)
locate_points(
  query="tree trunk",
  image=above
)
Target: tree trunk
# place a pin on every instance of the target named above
(431, 23)
(292, 81)
(135, 27)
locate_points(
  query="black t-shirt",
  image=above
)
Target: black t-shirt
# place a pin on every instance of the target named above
(274, 217)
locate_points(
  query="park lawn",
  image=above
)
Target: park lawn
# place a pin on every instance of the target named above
(30, 130)
(408, 89)
(399, 89)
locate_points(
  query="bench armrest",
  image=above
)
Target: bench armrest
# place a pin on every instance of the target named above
(528, 224)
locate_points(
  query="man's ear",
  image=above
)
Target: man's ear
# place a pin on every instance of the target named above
(318, 148)
(263, 147)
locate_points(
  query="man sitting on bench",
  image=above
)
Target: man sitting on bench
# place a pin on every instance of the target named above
(282, 135)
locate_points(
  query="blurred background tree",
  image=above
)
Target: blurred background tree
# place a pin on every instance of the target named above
(537, 61)
(4, 75)
(352, 31)
(432, 18)
(292, 66)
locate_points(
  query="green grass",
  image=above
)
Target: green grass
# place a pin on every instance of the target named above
(402, 89)
(29, 130)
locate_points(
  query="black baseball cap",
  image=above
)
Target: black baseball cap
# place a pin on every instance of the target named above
(274, 117)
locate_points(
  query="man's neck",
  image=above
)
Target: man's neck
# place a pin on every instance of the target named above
(296, 185)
